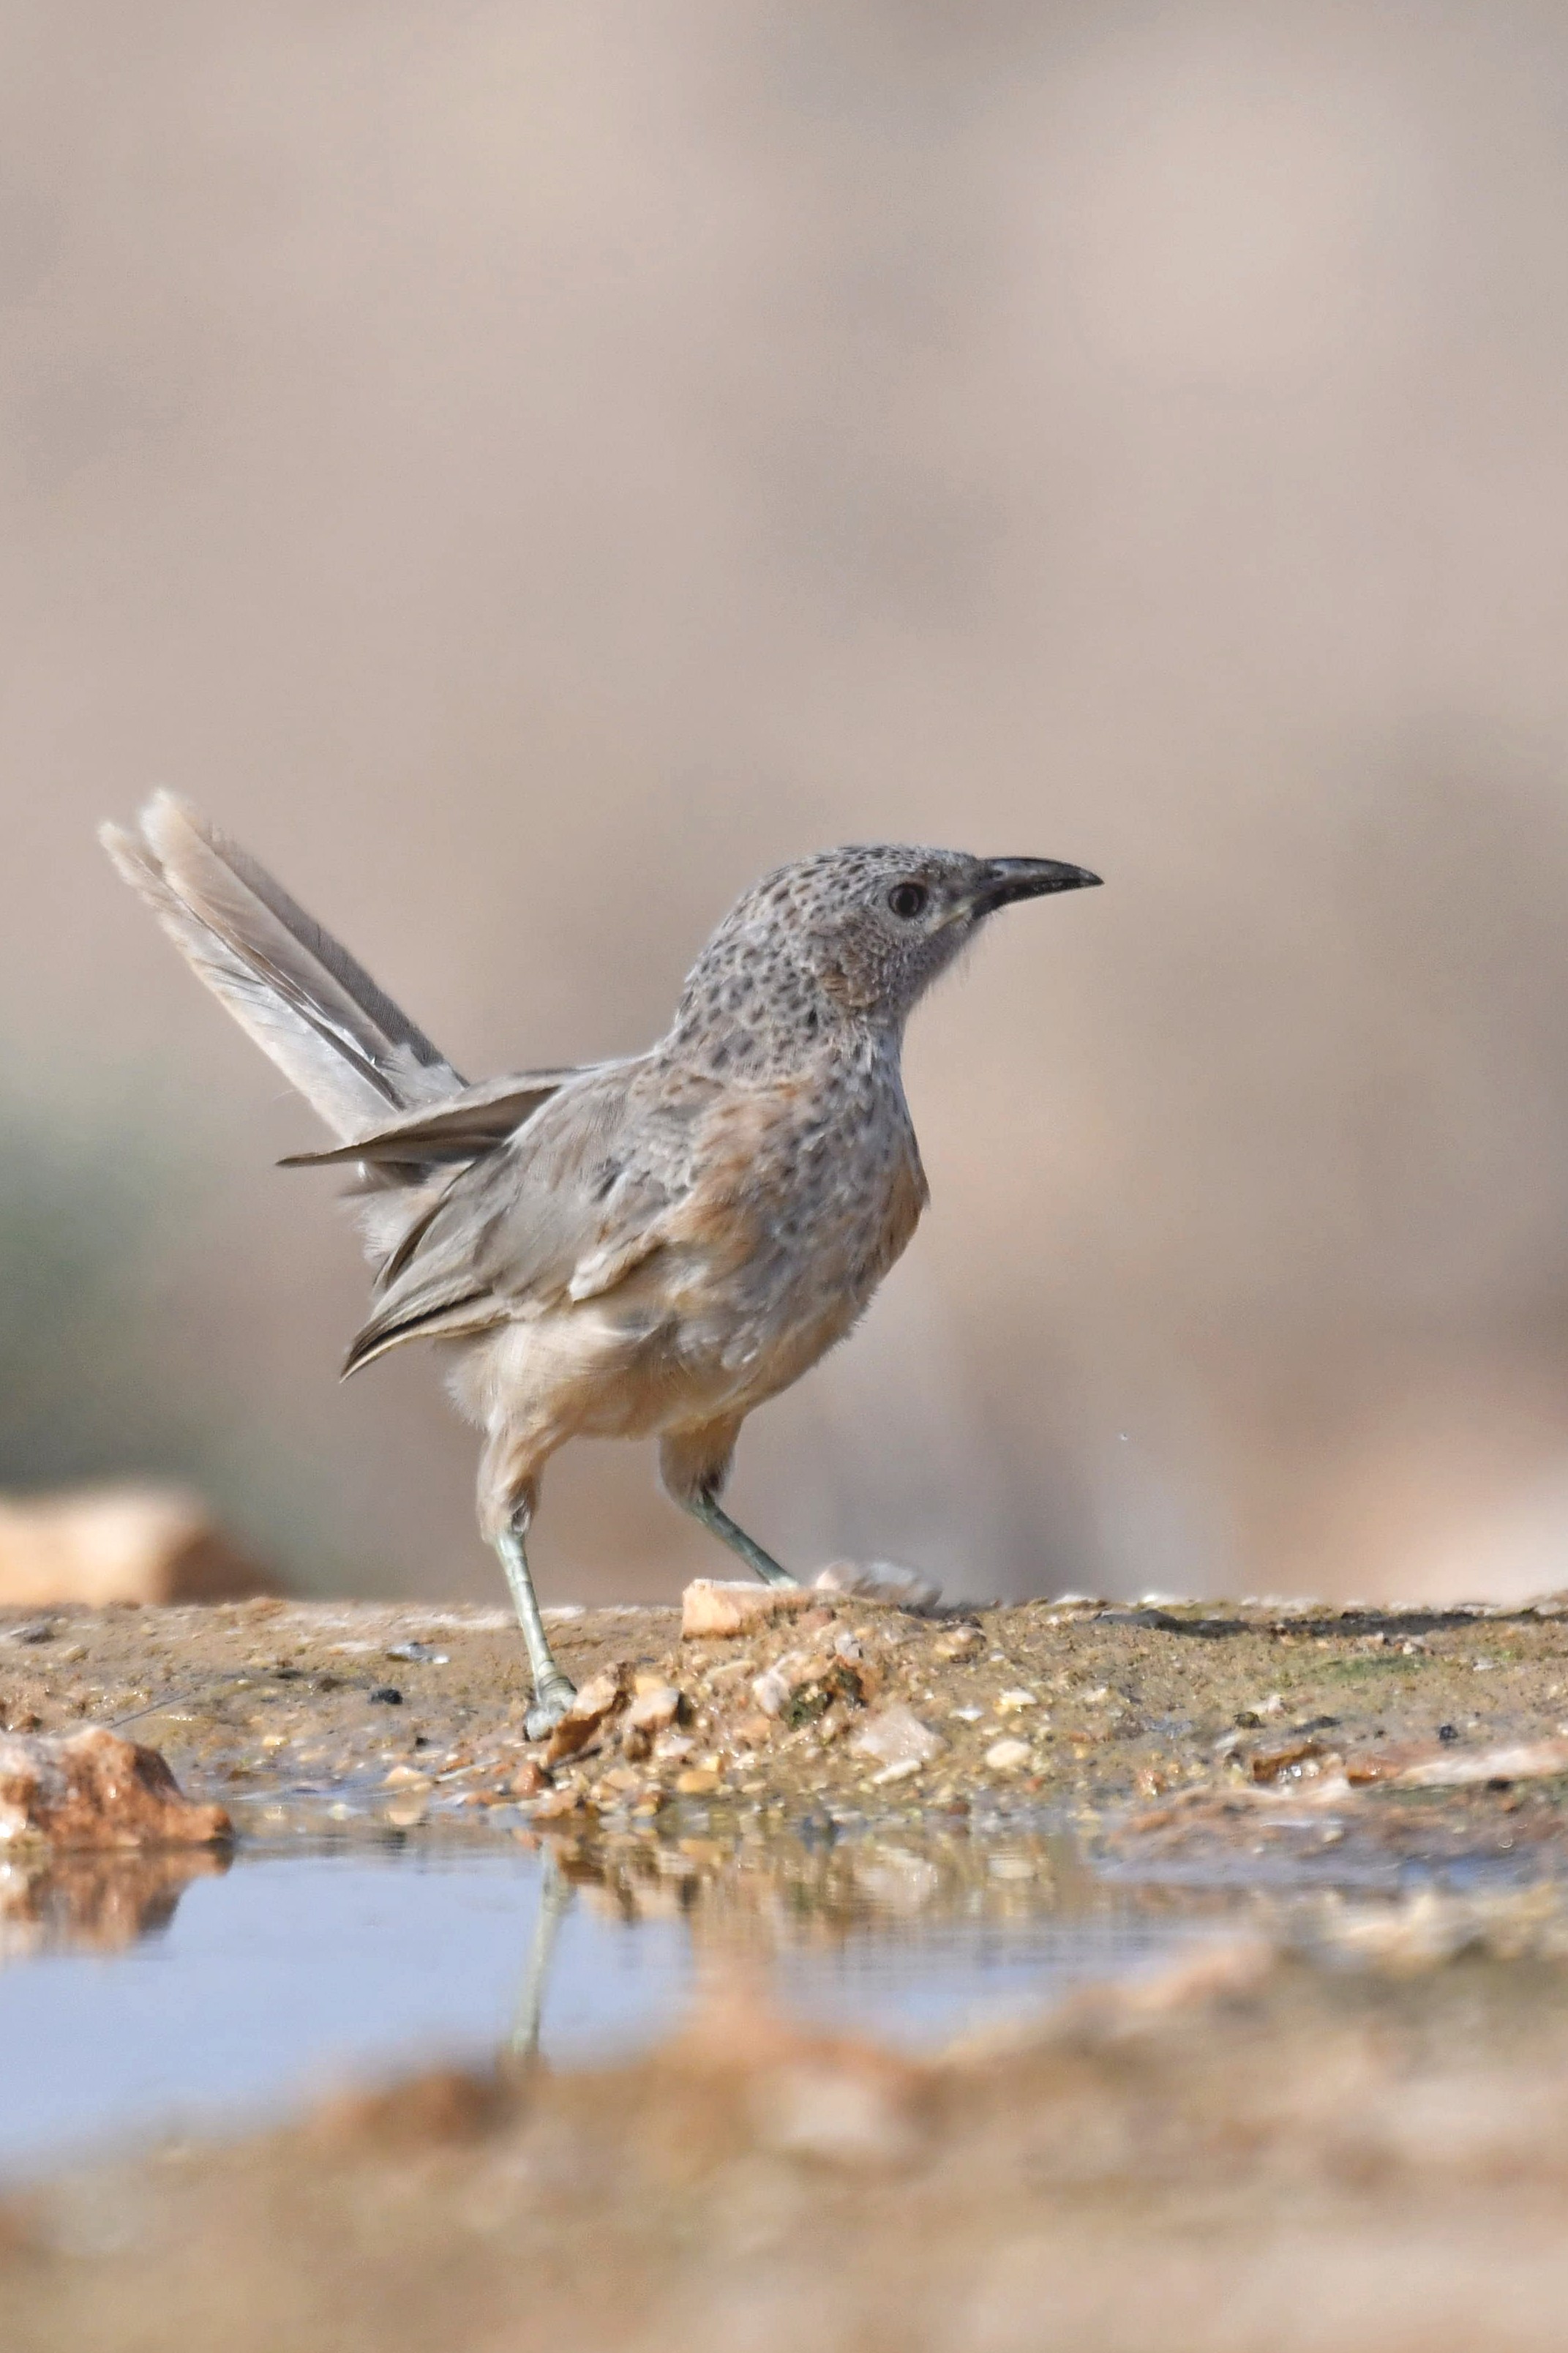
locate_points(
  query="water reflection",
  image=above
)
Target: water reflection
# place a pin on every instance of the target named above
(155, 1991)
(95, 1903)
(522, 2045)
(794, 1886)
(788, 1890)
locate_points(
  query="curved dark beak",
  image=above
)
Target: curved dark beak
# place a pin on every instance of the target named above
(1007, 880)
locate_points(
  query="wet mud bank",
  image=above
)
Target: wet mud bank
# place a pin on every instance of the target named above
(1178, 1725)
(1324, 2106)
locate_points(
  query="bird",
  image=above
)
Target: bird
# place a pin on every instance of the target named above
(644, 1247)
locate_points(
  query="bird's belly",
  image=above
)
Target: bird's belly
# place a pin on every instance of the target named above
(698, 1368)
(703, 1330)
(593, 1371)
(728, 1366)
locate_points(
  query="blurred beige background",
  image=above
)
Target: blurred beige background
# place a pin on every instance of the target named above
(525, 469)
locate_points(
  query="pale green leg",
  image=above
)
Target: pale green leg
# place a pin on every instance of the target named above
(555, 1903)
(713, 1516)
(553, 1693)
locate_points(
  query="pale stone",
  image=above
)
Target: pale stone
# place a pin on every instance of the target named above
(600, 1698)
(881, 1580)
(897, 1739)
(95, 1790)
(961, 1643)
(777, 1686)
(1450, 1769)
(120, 1544)
(772, 1691)
(557, 1805)
(654, 1708)
(1006, 1755)
(709, 1607)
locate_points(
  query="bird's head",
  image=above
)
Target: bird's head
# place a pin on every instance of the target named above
(855, 934)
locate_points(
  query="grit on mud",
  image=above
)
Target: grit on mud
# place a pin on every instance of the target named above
(1339, 2116)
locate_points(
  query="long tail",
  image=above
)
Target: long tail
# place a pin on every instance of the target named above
(345, 1045)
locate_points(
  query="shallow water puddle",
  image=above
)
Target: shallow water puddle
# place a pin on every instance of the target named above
(159, 1994)
(189, 1990)
(287, 1972)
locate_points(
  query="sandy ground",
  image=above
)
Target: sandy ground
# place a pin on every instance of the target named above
(1345, 2123)
(1150, 1713)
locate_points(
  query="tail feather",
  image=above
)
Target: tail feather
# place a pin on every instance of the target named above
(301, 996)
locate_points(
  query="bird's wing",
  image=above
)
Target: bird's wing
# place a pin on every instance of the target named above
(563, 1209)
(459, 1128)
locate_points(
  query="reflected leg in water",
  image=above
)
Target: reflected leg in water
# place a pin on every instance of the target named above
(554, 1902)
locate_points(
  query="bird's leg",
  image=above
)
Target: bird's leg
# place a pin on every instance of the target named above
(553, 1693)
(706, 1507)
(693, 1465)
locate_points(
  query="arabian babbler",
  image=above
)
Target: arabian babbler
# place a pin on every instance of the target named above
(647, 1247)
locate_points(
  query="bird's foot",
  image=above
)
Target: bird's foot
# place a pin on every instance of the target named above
(552, 1700)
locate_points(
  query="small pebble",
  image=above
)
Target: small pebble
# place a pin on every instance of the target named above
(556, 1803)
(896, 1736)
(962, 1644)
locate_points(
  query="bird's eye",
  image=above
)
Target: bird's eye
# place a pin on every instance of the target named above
(908, 900)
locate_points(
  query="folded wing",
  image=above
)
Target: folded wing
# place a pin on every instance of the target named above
(565, 1208)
